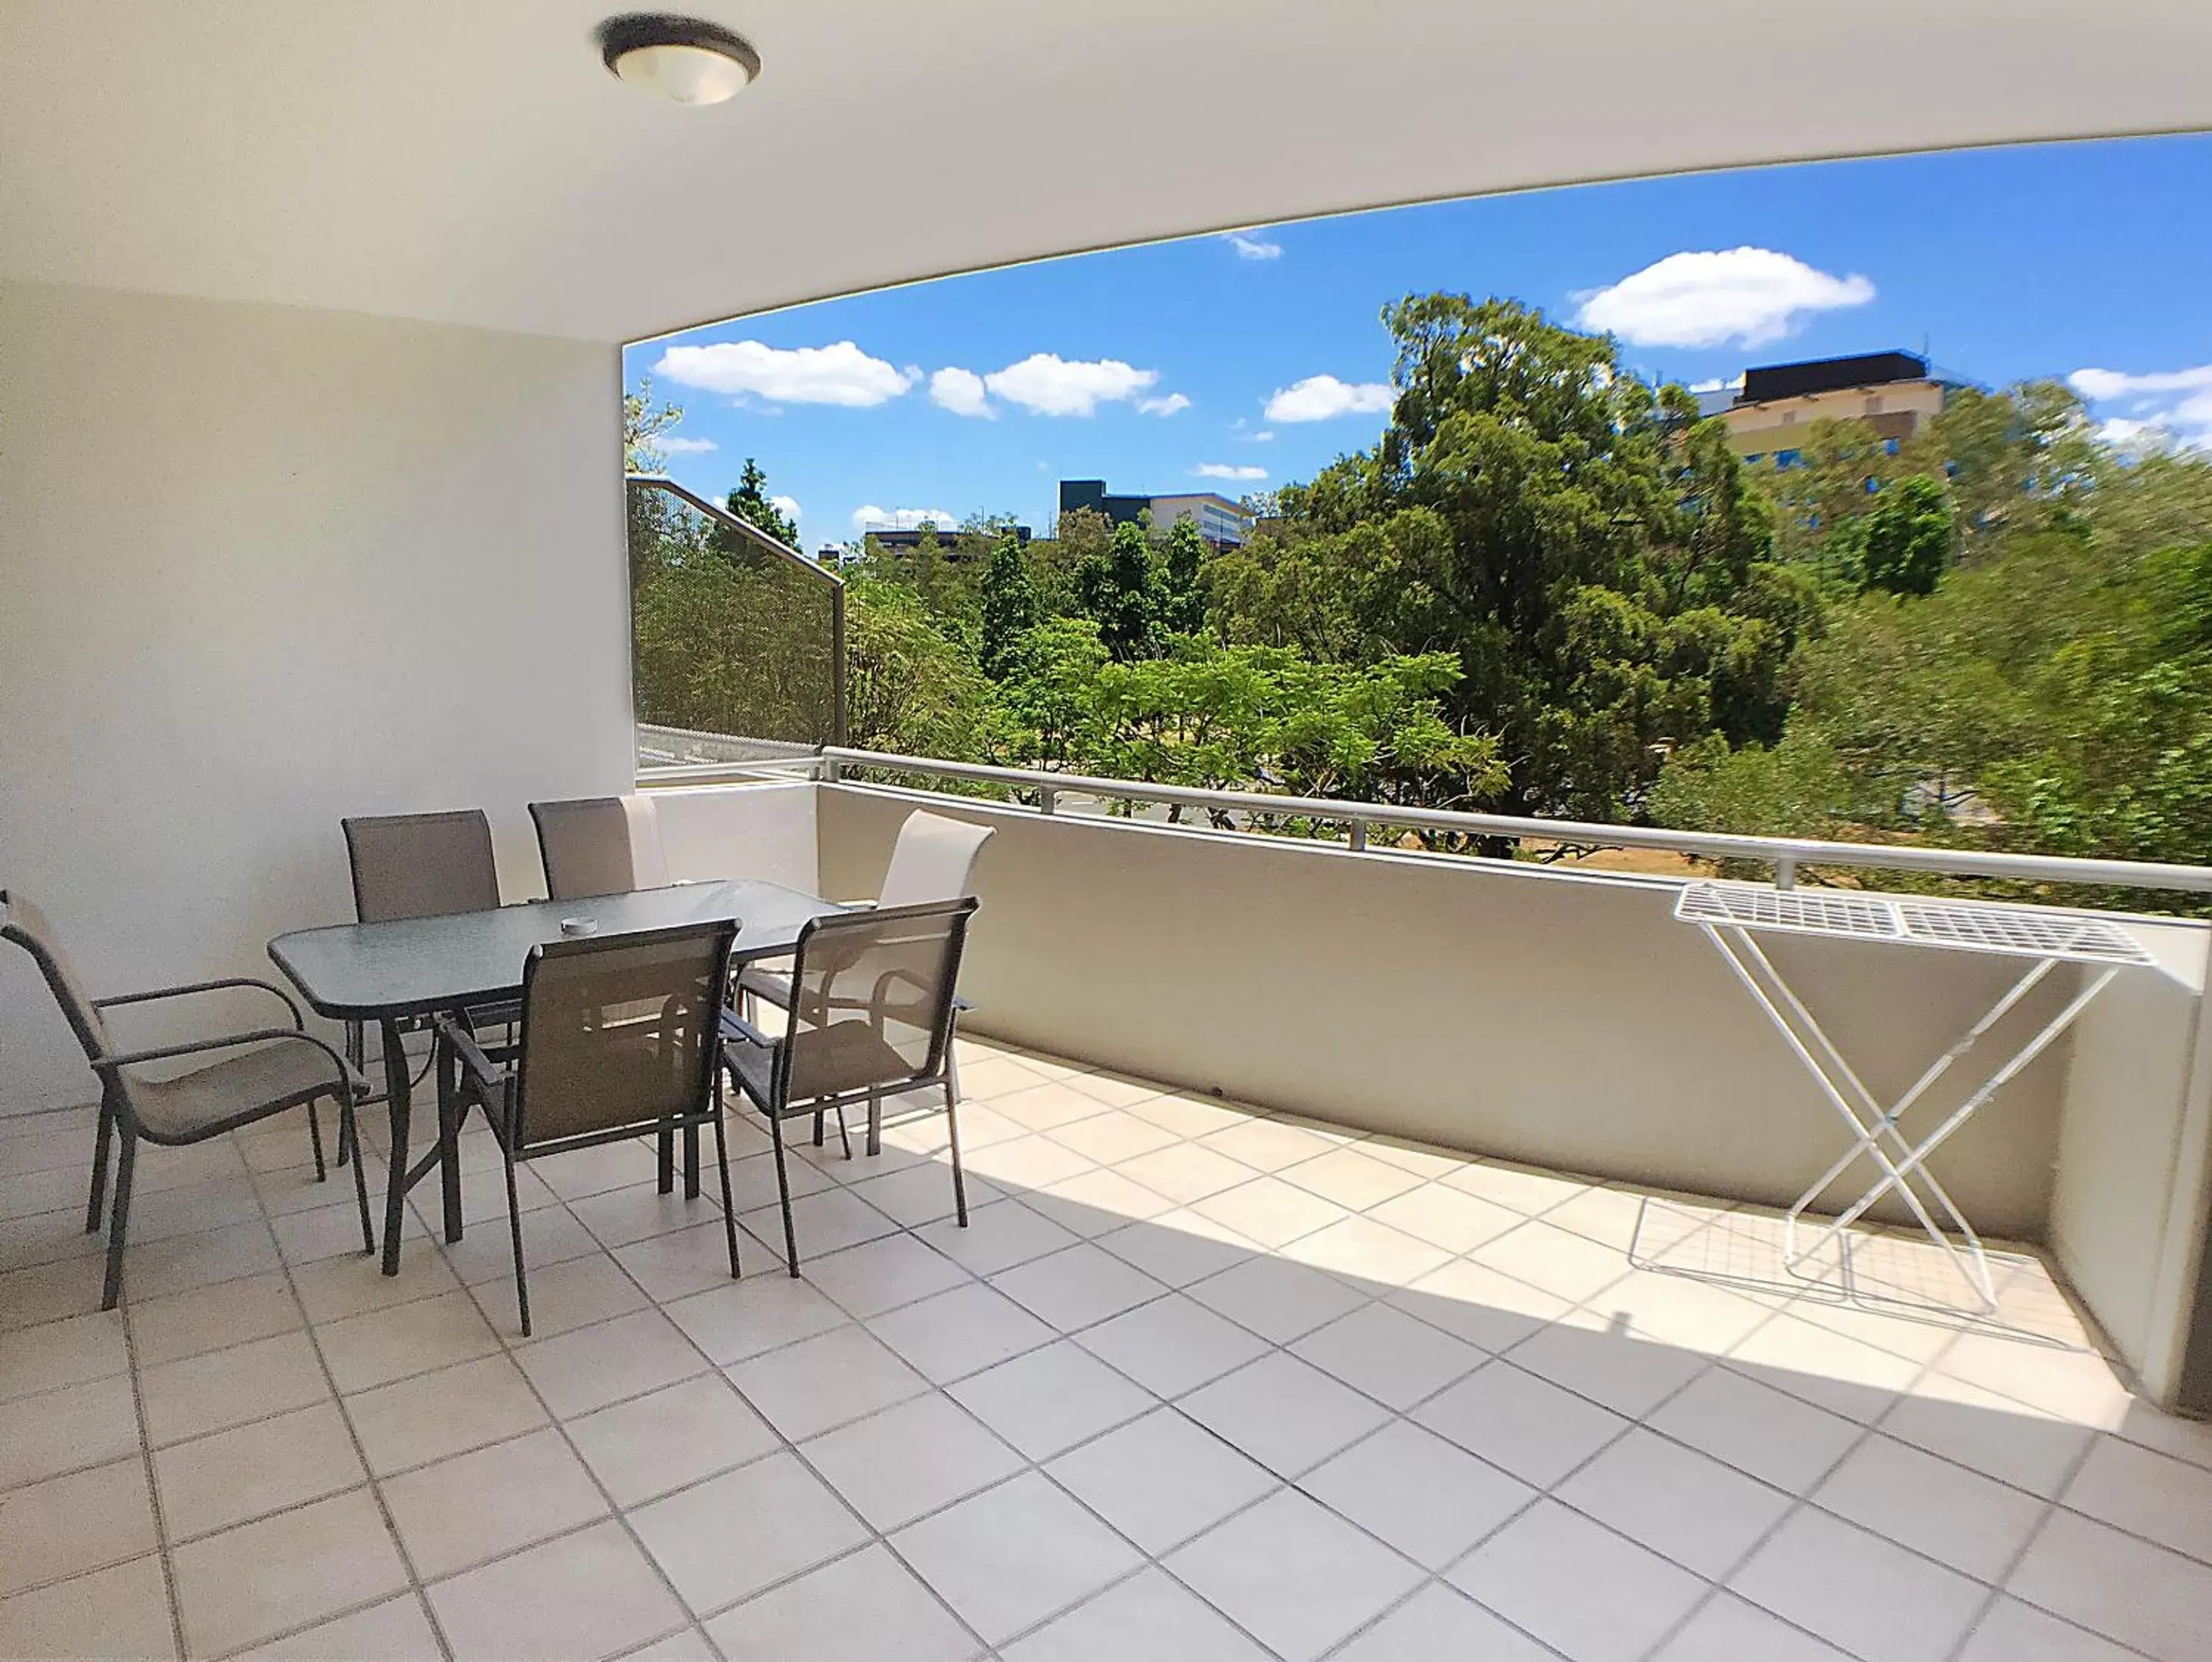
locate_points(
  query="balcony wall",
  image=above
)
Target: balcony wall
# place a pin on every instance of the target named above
(264, 566)
(1565, 1020)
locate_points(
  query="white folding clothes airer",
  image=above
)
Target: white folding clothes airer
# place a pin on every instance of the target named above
(1731, 914)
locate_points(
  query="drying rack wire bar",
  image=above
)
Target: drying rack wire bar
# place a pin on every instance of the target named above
(1795, 910)
(2020, 932)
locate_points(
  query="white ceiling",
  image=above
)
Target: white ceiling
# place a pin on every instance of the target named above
(470, 160)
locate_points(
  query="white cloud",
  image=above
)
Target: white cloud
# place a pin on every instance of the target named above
(1167, 406)
(2163, 422)
(1253, 248)
(1321, 398)
(1228, 471)
(961, 391)
(1263, 437)
(1747, 295)
(678, 446)
(1734, 384)
(837, 374)
(868, 516)
(2112, 383)
(1049, 386)
(786, 506)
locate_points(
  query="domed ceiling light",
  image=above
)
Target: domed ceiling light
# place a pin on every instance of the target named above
(682, 60)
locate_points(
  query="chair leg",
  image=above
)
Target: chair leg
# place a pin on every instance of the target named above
(315, 1136)
(356, 1050)
(729, 1205)
(783, 1191)
(349, 1136)
(126, 1161)
(875, 1123)
(100, 1140)
(952, 1136)
(843, 1135)
(515, 1228)
(691, 1163)
(667, 1170)
(817, 1132)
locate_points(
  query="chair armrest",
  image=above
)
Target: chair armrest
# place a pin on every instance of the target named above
(189, 987)
(351, 1084)
(735, 1025)
(486, 1074)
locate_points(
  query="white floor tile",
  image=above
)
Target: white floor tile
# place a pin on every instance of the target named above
(1528, 1426)
(1858, 1591)
(746, 1530)
(1418, 1492)
(1774, 1437)
(1172, 1344)
(1006, 1559)
(1683, 1505)
(1148, 1616)
(2127, 1590)
(1544, 1573)
(1294, 1574)
(1285, 1414)
(1438, 1622)
(1162, 1479)
(894, 1466)
(1051, 1400)
(863, 1608)
(824, 1382)
(1956, 1516)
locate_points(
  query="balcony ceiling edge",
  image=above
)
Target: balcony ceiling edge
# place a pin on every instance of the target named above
(477, 165)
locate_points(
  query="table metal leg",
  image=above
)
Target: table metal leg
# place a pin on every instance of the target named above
(449, 1134)
(397, 1089)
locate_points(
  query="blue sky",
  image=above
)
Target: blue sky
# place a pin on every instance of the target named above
(1144, 365)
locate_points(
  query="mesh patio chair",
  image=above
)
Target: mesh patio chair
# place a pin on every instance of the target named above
(871, 1016)
(418, 865)
(274, 1069)
(934, 860)
(621, 1035)
(598, 845)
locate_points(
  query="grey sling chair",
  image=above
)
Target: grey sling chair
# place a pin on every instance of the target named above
(871, 1016)
(586, 846)
(418, 865)
(620, 1036)
(275, 1068)
(934, 860)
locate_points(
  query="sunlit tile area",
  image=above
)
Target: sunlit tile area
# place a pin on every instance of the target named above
(1199, 1382)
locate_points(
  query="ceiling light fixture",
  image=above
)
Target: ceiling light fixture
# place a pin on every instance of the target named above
(682, 60)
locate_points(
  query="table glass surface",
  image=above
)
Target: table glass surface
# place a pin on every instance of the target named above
(413, 965)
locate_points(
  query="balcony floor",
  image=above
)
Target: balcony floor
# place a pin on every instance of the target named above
(1199, 1382)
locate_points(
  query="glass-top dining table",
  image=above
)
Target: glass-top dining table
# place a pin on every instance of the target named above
(391, 973)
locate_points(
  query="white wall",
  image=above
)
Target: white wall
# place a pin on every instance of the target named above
(1564, 1019)
(264, 566)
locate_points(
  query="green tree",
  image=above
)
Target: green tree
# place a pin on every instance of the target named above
(1123, 591)
(752, 503)
(645, 420)
(1183, 578)
(910, 687)
(1010, 605)
(1596, 563)
(1905, 539)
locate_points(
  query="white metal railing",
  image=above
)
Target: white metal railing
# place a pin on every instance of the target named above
(1784, 855)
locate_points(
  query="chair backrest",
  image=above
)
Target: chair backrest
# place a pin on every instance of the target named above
(619, 1032)
(598, 845)
(872, 999)
(420, 865)
(934, 859)
(25, 926)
